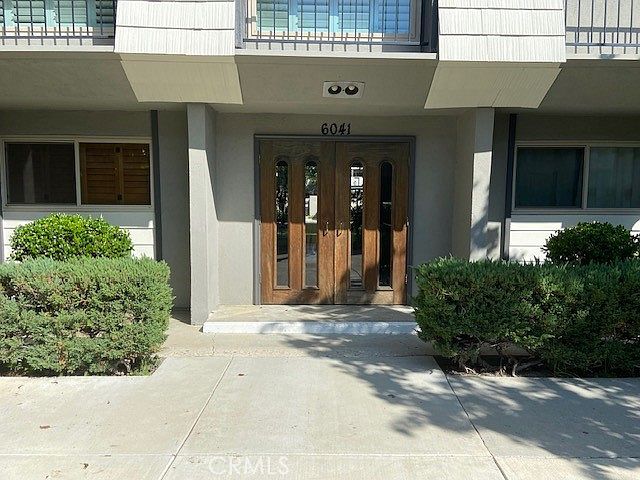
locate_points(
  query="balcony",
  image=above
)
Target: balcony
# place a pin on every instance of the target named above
(603, 26)
(54, 21)
(377, 24)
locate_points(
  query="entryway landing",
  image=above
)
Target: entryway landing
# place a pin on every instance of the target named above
(312, 319)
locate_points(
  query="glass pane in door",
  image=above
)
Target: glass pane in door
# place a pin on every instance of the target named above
(356, 211)
(385, 229)
(282, 224)
(311, 224)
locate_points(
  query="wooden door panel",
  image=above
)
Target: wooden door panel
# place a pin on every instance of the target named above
(372, 156)
(333, 221)
(296, 154)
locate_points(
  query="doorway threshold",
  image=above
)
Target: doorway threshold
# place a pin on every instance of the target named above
(312, 319)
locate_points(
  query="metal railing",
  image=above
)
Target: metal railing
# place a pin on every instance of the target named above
(57, 19)
(603, 26)
(370, 22)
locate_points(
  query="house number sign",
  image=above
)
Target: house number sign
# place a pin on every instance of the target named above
(339, 129)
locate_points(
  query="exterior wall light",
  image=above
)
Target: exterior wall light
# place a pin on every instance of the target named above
(338, 89)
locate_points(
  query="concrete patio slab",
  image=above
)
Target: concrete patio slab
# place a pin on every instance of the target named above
(107, 415)
(542, 417)
(83, 467)
(334, 467)
(387, 405)
(570, 468)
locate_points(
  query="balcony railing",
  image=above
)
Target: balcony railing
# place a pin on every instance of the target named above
(27, 19)
(362, 22)
(603, 26)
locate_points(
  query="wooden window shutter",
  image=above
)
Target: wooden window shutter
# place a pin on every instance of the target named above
(136, 174)
(99, 165)
(115, 174)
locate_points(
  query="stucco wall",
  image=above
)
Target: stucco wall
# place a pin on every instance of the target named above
(174, 179)
(530, 229)
(434, 165)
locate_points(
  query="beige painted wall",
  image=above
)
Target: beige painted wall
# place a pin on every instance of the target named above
(433, 199)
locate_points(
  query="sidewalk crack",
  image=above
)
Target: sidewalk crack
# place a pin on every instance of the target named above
(197, 419)
(484, 444)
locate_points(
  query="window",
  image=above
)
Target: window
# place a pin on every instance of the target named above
(313, 18)
(549, 177)
(614, 177)
(115, 174)
(40, 173)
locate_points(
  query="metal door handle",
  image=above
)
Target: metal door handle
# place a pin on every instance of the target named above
(338, 229)
(326, 228)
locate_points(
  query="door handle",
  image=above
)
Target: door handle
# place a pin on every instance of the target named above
(326, 228)
(338, 229)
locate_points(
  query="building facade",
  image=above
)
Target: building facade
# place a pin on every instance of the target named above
(314, 151)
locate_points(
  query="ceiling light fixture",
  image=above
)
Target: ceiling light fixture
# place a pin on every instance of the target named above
(339, 89)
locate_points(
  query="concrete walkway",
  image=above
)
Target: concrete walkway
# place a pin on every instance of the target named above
(315, 407)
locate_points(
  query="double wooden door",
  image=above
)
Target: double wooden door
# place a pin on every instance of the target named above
(334, 221)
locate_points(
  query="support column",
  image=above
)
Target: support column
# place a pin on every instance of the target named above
(471, 237)
(203, 218)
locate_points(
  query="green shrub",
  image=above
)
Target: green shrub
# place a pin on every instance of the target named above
(578, 319)
(59, 236)
(592, 243)
(82, 316)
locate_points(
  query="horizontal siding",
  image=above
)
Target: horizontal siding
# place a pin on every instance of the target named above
(504, 4)
(175, 41)
(175, 28)
(501, 31)
(479, 48)
(185, 15)
(502, 22)
(138, 223)
(529, 233)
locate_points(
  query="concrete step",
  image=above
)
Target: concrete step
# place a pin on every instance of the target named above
(312, 319)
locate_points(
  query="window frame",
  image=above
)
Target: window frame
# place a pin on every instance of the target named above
(78, 206)
(584, 209)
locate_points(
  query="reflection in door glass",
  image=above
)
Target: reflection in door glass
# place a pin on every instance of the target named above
(311, 224)
(355, 223)
(385, 235)
(282, 224)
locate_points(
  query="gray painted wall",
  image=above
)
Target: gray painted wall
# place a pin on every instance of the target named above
(433, 200)
(174, 179)
(203, 217)
(533, 127)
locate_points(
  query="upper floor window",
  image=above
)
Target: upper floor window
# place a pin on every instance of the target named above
(41, 173)
(554, 177)
(57, 18)
(339, 20)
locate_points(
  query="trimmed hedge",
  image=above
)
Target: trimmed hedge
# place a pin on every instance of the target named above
(594, 242)
(578, 319)
(82, 316)
(60, 236)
